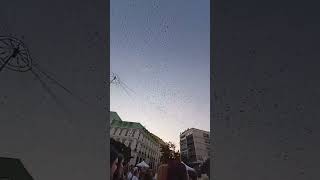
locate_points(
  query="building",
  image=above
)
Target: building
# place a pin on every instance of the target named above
(195, 145)
(144, 145)
(114, 116)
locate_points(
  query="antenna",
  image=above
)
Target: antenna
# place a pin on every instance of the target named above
(14, 55)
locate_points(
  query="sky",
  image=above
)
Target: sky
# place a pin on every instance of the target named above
(266, 83)
(161, 52)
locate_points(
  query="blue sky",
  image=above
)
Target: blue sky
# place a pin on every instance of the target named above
(160, 50)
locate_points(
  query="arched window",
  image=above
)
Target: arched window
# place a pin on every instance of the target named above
(115, 130)
(133, 132)
(121, 132)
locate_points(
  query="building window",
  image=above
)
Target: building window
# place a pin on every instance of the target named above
(115, 130)
(205, 135)
(121, 131)
(133, 132)
(200, 158)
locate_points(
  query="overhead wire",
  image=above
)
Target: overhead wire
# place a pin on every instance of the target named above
(59, 84)
(51, 93)
(124, 86)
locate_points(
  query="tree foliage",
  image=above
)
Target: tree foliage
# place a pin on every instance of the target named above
(176, 155)
(121, 148)
(168, 152)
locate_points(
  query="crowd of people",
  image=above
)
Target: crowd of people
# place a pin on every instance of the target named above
(173, 170)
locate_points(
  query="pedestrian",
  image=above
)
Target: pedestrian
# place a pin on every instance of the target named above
(147, 175)
(192, 175)
(141, 173)
(177, 170)
(154, 175)
(135, 175)
(204, 177)
(125, 170)
(162, 172)
(130, 173)
(113, 160)
(118, 174)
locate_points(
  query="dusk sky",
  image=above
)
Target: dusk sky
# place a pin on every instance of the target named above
(266, 83)
(160, 50)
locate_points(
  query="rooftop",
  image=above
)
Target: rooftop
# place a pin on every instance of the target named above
(117, 122)
(114, 116)
(194, 129)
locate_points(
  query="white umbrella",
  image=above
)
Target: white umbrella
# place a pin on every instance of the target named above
(143, 165)
(188, 168)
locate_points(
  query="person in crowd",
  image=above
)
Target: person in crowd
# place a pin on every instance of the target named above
(141, 173)
(118, 174)
(131, 167)
(204, 177)
(176, 171)
(192, 175)
(154, 175)
(125, 170)
(146, 175)
(150, 176)
(113, 160)
(135, 175)
(162, 172)
(130, 173)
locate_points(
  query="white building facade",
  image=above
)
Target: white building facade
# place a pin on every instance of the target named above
(144, 145)
(195, 145)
